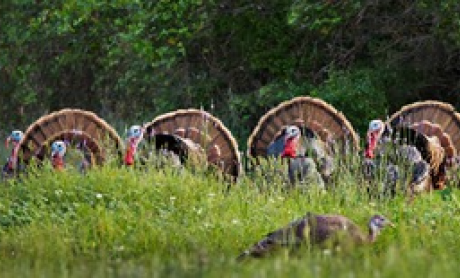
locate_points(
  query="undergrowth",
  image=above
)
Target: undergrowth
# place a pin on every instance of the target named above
(151, 222)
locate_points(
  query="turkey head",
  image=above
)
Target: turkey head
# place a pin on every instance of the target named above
(376, 224)
(291, 142)
(58, 150)
(14, 137)
(374, 134)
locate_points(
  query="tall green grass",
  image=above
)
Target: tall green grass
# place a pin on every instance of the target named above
(153, 222)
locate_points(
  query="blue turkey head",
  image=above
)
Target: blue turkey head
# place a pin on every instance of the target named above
(58, 149)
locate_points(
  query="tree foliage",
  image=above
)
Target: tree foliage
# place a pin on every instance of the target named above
(136, 59)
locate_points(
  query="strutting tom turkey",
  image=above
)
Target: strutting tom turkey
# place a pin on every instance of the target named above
(189, 135)
(427, 134)
(306, 131)
(316, 229)
(51, 136)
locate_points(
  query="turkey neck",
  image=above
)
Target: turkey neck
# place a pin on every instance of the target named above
(362, 238)
(131, 152)
(372, 236)
(58, 163)
(290, 149)
(14, 154)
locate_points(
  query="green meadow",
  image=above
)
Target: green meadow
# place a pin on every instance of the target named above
(164, 222)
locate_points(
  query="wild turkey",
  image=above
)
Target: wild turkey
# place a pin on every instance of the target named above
(426, 134)
(306, 131)
(320, 230)
(83, 130)
(193, 136)
(14, 138)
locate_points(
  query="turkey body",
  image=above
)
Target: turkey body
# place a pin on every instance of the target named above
(394, 169)
(320, 230)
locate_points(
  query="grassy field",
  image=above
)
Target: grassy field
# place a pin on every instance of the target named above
(156, 223)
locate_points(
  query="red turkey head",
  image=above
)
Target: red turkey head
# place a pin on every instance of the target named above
(374, 133)
(291, 139)
(135, 136)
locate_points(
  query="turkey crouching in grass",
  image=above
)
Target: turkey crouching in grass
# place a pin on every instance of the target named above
(318, 230)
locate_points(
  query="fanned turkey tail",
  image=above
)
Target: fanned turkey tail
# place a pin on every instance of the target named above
(196, 137)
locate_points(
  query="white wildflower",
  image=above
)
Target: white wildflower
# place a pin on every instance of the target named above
(99, 196)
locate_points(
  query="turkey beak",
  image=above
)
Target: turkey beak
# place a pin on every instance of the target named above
(389, 223)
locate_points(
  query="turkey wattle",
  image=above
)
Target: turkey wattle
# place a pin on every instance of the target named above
(315, 229)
